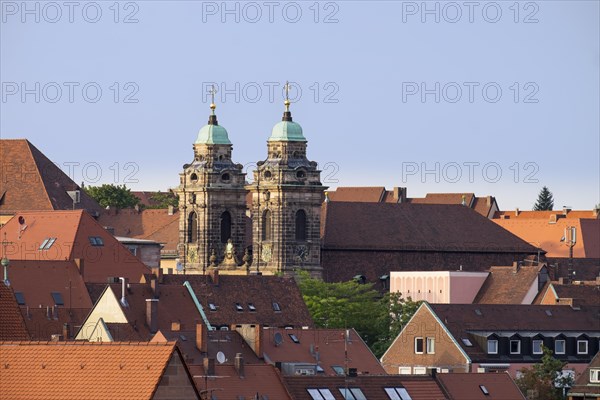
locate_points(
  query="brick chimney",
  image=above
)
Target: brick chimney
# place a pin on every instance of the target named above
(158, 273)
(155, 287)
(66, 331)
(152, 314)
(80, 266)
(258, 338)
(214, 276)
(595, 212)
(202, 338)
(515, 267)
(239, 364)
(517, 212)
(566, 211)
(209, 366)
(400, 194)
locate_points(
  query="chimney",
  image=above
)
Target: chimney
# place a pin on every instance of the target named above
(489, 201)
(124, 282)
(80, 266)
(209, 366)
(566, 210)
(515, 267)
(152, 314)
(66, 331)
(239, 364)
(171, 210)
(155, 287)
(517, 212)
(48, 312)
(258, 338)
(56, 337)
(561, 281)
(202, 338)
(595, 212)
(400, 194)
(158, 272)
(214, 276)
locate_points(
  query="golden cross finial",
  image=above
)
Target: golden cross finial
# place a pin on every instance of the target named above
(287, 96)
(213, 91)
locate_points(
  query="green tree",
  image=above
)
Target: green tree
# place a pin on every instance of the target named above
(113, 196)
(377, 319)
(545, 201)
(544, 380)
(163, 200)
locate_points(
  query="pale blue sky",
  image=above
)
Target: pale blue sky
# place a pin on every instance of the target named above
(366, 125)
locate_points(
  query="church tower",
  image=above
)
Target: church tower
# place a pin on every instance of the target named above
(286, 203)
(212, 202)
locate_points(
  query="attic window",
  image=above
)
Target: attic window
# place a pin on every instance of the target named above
(320, 394)
(352, 394)
(276, 307)
(484, 390)
(478, 312)
(549, 313)
(251, 307)
(398, 393)
(595, 375)
(96, 241)
(294, 338)
(582, 347)
(239, 307)
(57, 297)
(47, 243)
(20, 298)
(467, 342)
(212, 307)
(338, 370)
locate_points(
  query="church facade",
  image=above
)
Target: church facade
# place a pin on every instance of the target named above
(285, 210)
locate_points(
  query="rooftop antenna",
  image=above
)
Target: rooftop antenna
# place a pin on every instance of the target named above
(570, 239)
(5, 261)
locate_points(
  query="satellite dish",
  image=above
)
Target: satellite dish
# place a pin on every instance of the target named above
(179, 266)
(221, 357)
(278, 338)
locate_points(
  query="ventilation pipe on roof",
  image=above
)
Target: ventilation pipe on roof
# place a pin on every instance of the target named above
(516, 212)
(239, 364)
(123, 285)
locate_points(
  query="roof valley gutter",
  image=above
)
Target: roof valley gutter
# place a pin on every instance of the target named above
(198, 305)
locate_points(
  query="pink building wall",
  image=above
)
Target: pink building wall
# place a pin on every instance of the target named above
(438, 286)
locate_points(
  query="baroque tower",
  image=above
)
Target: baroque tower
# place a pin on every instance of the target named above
(212, 202)
(286, 203)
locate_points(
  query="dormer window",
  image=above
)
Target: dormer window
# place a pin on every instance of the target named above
(582, 346)
(492, 346)
(536, 346)
(515, 346)
(559, 346)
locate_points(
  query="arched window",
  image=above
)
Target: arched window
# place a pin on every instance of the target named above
(192, 228)
(225, 227)
(266, 225)
(300, 225)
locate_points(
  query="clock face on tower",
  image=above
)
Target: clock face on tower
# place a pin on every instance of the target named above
(301, 253)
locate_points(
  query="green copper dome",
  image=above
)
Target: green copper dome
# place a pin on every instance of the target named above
(212, 134)
(287, 131)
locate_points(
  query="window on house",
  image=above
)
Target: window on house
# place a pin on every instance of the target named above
(537, 346)
(276, 307)
(96, 241)
(300, 225)
(404, 370)
(192, 228)
(294, 338)
(239, 307)
(225, 227)
(338, 370)
(251, 307)
(559, 346)
(492, 346)
(320, 394)
(20, 298)
(467, 342)
(420, 370)
(430, 345)
(418, 345)
(212, 307)
(484, 390)
(266, 225)
(352, 394)
(595, 375)
(47, 243)
(582, 347)
(58, 300)
(398, 393)
(515, 347)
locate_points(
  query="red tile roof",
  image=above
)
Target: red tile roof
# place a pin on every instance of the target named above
(44, 322)
(373, 194)
(12, 326)
(72, 231)
(508, 285)
(30, 181)
(322, 346)
(406, 227)
(372, 386)
(463, 386)
(82, 370)
(581, 292)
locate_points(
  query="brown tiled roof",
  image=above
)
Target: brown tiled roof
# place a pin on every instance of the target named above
(426, 227)
(444, 198)
(72, 230)
(37, 280)
(325, 346)
(541, 233)
(152, 224)
(464, 386)
(507, 284)
(44, 322)
(82, 370)
(372, 386)
(12, 326)
(373, 194)
(582, 384)
(586, 269)
(260, 379)
(545, 215)
(583, 292)
(261, 291)
(30, 181)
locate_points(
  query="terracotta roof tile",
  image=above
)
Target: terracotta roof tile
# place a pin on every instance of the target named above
(82, 370)
(584, 292)
(30, 181)
(358, 194)
(464, 386)
(72, 231)
(12, 326)
(507, 285)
